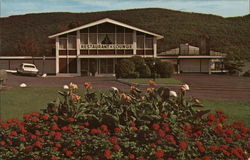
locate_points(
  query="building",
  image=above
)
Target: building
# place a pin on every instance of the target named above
(192, 59)
(101, 44)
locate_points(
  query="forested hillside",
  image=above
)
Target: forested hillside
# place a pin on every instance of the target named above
(177, 27)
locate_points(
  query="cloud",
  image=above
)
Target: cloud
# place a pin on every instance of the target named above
(220, 7)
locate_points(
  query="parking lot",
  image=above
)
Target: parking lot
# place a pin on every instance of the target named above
(201, 85)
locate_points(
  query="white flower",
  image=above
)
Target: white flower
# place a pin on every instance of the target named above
(173, 93)
(44, 75)
(185, 87)
(65, 87)
(115, 89)
(23, 85)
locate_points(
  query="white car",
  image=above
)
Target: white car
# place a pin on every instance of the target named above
(27, 69)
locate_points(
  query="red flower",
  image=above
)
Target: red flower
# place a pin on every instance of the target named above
(22, 138)
(55, 127)
(68, 153)
(159, 142)
(86, 124)
(131, 156)
(164, 115)
(117, 147)
(58, 145)
(55, 117)
(28, 148)
(200, 146)
(165, 126)
(54, 158)
(2, 143)
(132, 124)
(81, 127)
(95, 131)
(87, 157)
(38, 144)
(156, 126)
(161, 133)
(104, 128)
(206, 158)
(134, 129)
(107, 154)
(159, 153)
(77, 142)
(45, 117)
(214, 148)
(35, 119)
(183, 145)
(170, 158)
(65, 128)
(113, 140)
(117, 130)
(13, 150)
(70, 119)
(211, 117)
(13, 133)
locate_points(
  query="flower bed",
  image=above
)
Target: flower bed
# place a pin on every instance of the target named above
(158, 124)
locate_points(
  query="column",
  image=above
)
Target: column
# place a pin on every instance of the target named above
(209, 66)
(78, 43)
(57, 55)
(155, 46)
(134, 42)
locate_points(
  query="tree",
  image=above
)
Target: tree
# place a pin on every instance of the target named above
(27, 47)
(124, 68)
(233, 63)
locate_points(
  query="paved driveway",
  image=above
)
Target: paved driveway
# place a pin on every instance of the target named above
(201, 85)
(53, 81)
(217, 86)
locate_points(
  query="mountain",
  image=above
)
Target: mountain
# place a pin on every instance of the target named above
(226, 34)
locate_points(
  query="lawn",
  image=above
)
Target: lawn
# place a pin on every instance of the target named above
(17, 101)
(158, 80)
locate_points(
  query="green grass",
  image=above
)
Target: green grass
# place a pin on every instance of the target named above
(158, 80)
(236, 110)
(17, 101)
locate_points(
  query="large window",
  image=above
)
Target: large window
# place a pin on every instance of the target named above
(63, 43)
(106, 65)
(92, 38)
(149, 43)
(140, 41)
(72, 42)
(129, 38)
(120, 38)
(84, 38)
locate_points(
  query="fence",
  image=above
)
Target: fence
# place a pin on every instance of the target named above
(44, 64)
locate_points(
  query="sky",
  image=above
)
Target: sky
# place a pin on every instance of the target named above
(225, 8)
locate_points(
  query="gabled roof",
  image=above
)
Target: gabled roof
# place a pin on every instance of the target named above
(109, 21)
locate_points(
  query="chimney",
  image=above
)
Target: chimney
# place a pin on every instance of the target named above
(204, 45)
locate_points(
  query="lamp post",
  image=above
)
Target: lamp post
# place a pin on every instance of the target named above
(154, 69)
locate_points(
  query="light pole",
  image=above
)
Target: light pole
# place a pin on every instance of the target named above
(154, 69)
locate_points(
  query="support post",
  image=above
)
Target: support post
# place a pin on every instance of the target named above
(78, 43)
(155, 46)
(57, 55)
(134, 42)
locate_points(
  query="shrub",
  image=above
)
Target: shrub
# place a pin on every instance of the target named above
(93, 67)
(123, 68)
(247, 74)
(133, 75)
(144, 71)
(121, 125)
(3, 77)
(164, 69)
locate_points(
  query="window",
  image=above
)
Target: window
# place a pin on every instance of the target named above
(62, 43)
(120, 38)
(92, 38)
(72, 42)
(140, 41)
(84, 38)
(149, 43)
(129, 38)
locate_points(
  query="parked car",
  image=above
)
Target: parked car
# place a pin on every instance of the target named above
(27, 69)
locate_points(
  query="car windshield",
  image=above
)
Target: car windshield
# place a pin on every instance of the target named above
(29, 66)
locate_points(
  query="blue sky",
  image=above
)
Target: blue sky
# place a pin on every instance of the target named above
(226, 8)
